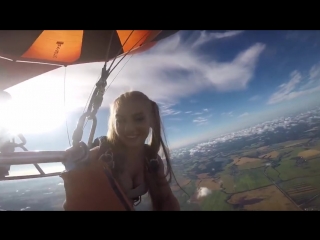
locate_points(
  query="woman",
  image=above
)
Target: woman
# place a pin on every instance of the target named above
(136, 167)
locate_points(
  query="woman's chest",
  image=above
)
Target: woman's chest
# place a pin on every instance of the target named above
(133, 183)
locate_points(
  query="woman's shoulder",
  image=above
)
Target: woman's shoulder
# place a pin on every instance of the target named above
(99, 145)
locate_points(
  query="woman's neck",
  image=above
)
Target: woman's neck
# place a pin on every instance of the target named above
(135, 152)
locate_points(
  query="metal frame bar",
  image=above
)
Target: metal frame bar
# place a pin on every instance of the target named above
(30, 176)
(33, 158)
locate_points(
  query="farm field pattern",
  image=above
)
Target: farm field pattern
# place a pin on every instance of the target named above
(272, 166)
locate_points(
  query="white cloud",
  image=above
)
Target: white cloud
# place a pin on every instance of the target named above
(255, 98)
(197, 113)
(314, 78)
(203, 111)
(315, 72)
(202, 120)
(258, 128)
(166, 109)
(228, 114)
(207, 37)
(286, 88)
(290, 89)
(203, 192)
(150, 72)
(243, 115)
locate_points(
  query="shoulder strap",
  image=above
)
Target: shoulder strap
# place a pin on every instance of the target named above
(152, 160)
(104, 145)
(98, 141)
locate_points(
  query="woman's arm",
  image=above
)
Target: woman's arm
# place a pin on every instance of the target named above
(167, 201)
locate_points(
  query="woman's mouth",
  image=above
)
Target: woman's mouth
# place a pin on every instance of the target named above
(132, 136)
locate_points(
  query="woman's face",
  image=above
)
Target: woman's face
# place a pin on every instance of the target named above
(133, 121)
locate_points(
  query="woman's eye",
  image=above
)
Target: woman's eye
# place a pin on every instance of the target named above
(119, 121)
(139, 119)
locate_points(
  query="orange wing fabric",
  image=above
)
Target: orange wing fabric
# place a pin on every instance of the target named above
(66, 47)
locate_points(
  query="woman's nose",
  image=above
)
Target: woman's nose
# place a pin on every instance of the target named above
(129, 127)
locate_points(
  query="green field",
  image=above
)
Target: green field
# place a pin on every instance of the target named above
(289, 170)
(305, 190)
(294, 180)
(216, 202)
(252, 165)
(272, 173)
(250, 179)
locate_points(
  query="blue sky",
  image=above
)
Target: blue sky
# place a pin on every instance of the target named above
(206, 82)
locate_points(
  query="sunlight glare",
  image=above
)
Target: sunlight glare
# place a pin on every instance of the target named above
(29, 115)
(28, 169)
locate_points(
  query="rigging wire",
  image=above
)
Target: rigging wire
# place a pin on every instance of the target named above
(120, 50)
(105, 64)
(64, 102)
(128, 52)
(88, 103)
(118, 73)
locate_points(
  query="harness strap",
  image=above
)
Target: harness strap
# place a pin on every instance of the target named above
(106, 155)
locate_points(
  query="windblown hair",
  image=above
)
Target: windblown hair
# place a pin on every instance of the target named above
(156, 144)
(158, 140)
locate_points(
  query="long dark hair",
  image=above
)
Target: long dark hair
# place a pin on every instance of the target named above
(157, 142)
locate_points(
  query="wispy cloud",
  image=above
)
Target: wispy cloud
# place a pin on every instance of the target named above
(197, 113)
(167, 109)
(314, 78)
(297, 86)
(243, 115)
(207, 37)
(228, 114)
(203, 111)
(303, 36)
(151, 72)
(315, 72)
(188, 112)
(255, 98)
(202, 120)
